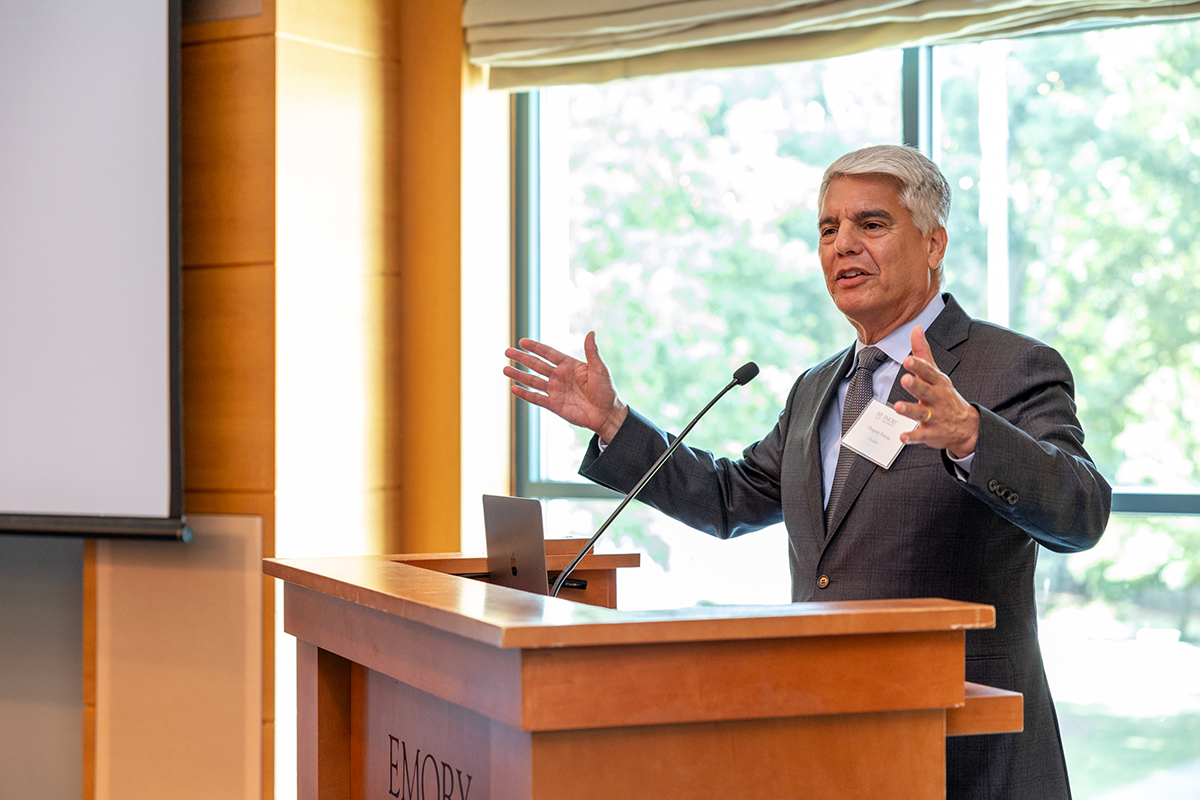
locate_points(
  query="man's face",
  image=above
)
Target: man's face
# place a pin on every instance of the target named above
(879, 269)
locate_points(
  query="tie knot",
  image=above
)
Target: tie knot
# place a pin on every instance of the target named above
(869, 358)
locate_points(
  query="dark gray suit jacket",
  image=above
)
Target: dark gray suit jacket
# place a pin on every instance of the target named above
(916, 530)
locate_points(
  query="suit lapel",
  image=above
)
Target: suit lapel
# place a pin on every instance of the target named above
(860, 470)
(947, 331)
(814, 489)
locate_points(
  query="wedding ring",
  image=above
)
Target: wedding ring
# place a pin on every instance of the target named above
(928, 414)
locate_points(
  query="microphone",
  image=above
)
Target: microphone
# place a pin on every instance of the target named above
(744, 374)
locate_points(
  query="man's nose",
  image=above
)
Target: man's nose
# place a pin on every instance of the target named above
(847, 241)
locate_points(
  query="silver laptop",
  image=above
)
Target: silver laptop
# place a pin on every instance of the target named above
(516, 543)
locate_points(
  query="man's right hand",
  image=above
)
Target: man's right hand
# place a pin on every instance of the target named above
(580, 392)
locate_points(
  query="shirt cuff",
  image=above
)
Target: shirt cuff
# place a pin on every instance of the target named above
(962, 466)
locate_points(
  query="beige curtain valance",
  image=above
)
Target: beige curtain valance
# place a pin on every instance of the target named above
(528, 43)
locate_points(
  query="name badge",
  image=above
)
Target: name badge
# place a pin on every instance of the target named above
(876, 433)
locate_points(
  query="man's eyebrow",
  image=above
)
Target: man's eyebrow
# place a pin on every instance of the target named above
(872, 213)
(858, 216)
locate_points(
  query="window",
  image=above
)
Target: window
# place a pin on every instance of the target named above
(1076, 165)
(676, 217)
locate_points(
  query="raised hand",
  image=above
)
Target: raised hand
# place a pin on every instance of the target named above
(948, 422)
(581, 392)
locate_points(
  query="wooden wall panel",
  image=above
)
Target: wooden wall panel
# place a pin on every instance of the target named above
(228, 138)
(228, 151)
(89, 669)
(268, 758)
(368, 27)
(331, 243)
(178, 672)
(237, 28)
(261, 505)
(382, 304)
(426, 388)
(229, 378)
(486, 300)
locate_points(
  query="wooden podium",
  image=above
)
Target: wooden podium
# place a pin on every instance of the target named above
(418, 684)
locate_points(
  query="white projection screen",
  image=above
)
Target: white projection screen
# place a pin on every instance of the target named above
(89, 268)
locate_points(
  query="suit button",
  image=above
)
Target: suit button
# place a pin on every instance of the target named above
(822, 581)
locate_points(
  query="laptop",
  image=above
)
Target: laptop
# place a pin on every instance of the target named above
(516, 543)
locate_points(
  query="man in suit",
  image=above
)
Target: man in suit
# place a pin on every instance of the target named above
(994, 468)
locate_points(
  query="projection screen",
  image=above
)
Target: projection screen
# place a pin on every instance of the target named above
(90, 409)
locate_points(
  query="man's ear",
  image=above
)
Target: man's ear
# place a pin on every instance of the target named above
(937, 246)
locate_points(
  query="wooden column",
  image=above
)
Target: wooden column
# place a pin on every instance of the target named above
(228, 151)
(321, 161)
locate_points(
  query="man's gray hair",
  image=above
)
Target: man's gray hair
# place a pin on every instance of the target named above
(924, 191)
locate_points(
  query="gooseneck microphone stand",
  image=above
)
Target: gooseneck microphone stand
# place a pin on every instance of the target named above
(744, 375)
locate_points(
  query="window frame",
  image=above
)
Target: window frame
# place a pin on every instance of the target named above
(916, 125)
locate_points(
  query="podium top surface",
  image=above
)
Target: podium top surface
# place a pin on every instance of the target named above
(507, 618)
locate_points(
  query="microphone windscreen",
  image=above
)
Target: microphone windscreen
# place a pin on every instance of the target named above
(746, 373)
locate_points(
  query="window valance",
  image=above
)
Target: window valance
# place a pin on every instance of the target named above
(527, 43)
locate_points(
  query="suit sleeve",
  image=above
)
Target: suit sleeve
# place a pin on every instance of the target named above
(1030, 466)
(718, 496)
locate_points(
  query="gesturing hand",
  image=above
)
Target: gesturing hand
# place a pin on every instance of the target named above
(580, 392)
(948, 422)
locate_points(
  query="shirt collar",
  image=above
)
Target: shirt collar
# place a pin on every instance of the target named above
(897, 344)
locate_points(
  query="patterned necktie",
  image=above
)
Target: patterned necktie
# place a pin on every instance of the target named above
(858, 396)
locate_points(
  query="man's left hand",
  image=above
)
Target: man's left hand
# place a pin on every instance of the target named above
(947, 421)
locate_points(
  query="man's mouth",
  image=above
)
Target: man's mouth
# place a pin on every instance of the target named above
(850, 274)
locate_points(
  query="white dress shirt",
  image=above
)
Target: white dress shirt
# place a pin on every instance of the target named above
(897, 346)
